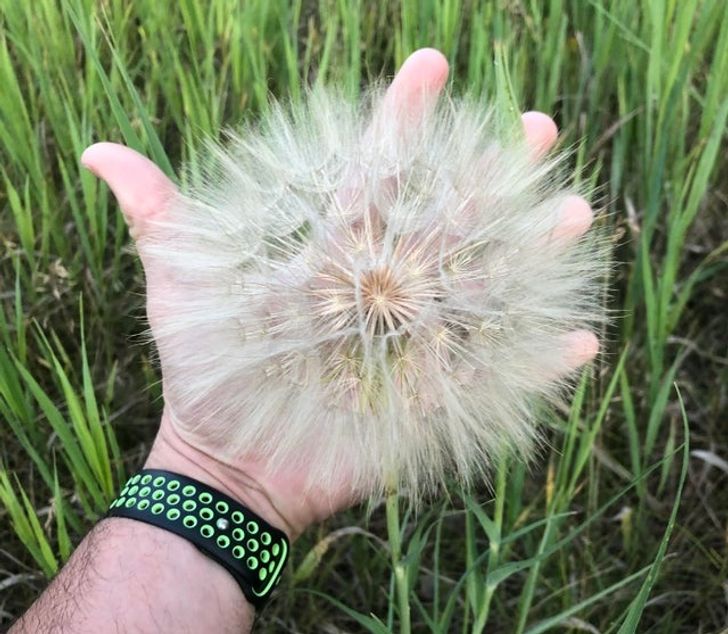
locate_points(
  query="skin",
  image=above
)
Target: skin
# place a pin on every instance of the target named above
(131, 577)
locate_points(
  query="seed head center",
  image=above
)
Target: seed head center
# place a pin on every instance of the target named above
(385, 303)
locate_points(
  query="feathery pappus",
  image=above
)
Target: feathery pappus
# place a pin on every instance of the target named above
(385, 299)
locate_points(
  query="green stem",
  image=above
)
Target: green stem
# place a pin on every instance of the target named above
(400, 572)
(494, 547)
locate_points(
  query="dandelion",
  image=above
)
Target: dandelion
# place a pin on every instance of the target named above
(392, 302)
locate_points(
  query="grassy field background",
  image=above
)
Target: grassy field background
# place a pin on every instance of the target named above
(621, 525)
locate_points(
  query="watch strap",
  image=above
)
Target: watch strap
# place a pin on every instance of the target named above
(253, 551)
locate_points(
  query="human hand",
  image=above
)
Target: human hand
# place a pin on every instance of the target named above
(144, 193)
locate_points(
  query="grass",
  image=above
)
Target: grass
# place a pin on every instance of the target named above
(617, 527)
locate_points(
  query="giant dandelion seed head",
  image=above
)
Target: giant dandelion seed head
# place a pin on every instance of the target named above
(365, 297)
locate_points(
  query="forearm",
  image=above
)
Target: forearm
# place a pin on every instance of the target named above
(127, 576)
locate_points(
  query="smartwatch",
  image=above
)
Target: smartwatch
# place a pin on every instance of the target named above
(252, 551)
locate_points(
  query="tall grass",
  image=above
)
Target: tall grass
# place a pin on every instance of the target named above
(606, 519)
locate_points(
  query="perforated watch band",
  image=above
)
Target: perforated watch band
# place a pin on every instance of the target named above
(252, 550)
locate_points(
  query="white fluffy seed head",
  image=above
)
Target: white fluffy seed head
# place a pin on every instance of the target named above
(382, 302)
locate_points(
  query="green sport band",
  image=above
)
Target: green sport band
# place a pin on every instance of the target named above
(253, 551)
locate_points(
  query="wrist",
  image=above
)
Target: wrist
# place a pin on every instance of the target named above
(173, 453)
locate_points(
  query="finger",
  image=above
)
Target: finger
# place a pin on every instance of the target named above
(416, 87)
(575, 218)
(412, 94)
(540, 131)
(410, 97)
(141, 188)
(581, 347)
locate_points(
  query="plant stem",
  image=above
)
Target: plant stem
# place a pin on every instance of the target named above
(494, 547)
(400, 572)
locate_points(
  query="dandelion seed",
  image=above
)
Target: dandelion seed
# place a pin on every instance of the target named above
(393, 301)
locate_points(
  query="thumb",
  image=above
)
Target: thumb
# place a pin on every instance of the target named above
(141, 188)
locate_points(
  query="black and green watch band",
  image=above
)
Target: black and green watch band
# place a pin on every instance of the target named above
(252, 550)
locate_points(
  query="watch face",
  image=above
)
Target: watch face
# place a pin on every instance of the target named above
(253, 551)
